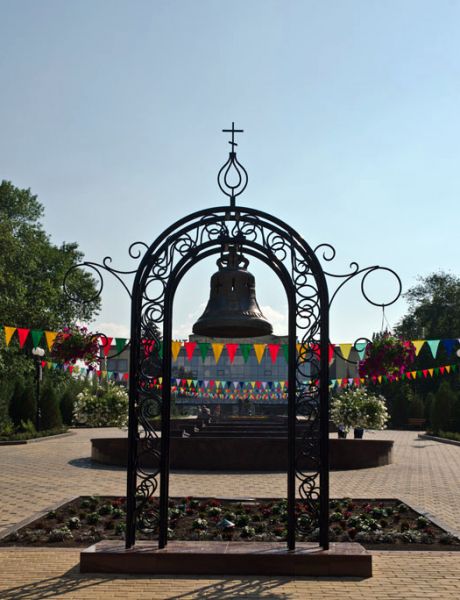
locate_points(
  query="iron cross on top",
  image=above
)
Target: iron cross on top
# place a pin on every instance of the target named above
(233, 131)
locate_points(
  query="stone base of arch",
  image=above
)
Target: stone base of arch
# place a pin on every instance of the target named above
(223, 558)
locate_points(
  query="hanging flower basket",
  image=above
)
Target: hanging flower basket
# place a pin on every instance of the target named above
(75, 343)
(388, 355)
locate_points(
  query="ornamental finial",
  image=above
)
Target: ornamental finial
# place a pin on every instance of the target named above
(232, 169)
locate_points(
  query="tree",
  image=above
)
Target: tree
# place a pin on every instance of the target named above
(49, 408)
(23, 403)
(32, 269)
(434, 308)
(442, 407)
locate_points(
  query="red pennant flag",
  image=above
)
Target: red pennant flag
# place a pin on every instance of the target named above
(211, 383)
(258, 384)
(43, 363)
(22, 335)
(98, 373)
(331, 352)
(106, 342)
(442, 369)
(273, 350)
(231, 351)
(189, 349)
(70, 369)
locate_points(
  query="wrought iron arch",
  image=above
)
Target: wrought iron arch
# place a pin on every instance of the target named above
(184, 244)
(161, 268)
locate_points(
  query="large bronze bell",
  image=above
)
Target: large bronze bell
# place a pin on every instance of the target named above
(232, 310)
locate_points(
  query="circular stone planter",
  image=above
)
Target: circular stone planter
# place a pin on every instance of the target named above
(244, 453)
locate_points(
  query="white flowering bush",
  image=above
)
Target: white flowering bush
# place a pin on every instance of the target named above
(103, 406)
(355, 408)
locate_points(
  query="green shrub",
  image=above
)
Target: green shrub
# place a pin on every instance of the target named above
(67, 402)
(22, 403)
(103, 406)
(49, 408)
(441, 410)
(429, 401)
(359, 408)
(416, 405)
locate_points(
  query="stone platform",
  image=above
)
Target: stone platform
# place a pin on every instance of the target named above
(228, 558)
(245, 453)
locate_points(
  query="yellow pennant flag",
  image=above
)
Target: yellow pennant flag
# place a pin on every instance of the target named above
(50, 337)
(253, 384)
(431, 371)
(175, 349)
(339, 381)
(9, 334)
(362, 380)
(217, 350)
(379, 378)
(259, 349)
(345, 349)
(448, 368)
(282, 384)
(418, 346)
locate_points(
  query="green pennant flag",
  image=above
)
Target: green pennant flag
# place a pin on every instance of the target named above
(419, 374)
(361, 349)
(385, 379)
(37, 335)
(245, 350)
(286, 352)
(120, 343)
(204, 348)
(433, 344)
(436, 371)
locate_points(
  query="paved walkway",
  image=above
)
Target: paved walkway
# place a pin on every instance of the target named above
(34, 476)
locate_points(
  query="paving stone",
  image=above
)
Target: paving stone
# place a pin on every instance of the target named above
(424, 473)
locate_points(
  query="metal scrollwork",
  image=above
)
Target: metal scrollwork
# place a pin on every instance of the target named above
(157, 275)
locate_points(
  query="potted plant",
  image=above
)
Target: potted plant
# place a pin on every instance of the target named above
(75, 343)
(357, 409)
(346, 411)
(388, 355)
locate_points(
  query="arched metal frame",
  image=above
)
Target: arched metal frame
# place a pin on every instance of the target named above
(162, 267)
(180, 247)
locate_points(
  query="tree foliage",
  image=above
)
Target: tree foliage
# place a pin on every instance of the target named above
(32, 268)
(434, 308)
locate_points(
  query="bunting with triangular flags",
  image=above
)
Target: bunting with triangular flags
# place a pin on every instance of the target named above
(231, 351)
(217, 348)
(9, 331)
(22, 335)
(259, 349)
(189, 349)
(175, 349)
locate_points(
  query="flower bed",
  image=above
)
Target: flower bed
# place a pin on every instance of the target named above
(376, 523)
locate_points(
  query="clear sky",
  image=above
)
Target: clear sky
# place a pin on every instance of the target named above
(111, 112)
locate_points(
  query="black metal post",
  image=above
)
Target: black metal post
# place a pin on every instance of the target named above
(133, 435)
(165, 418)
(324, 422)
(38, 376)
(292, 410)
